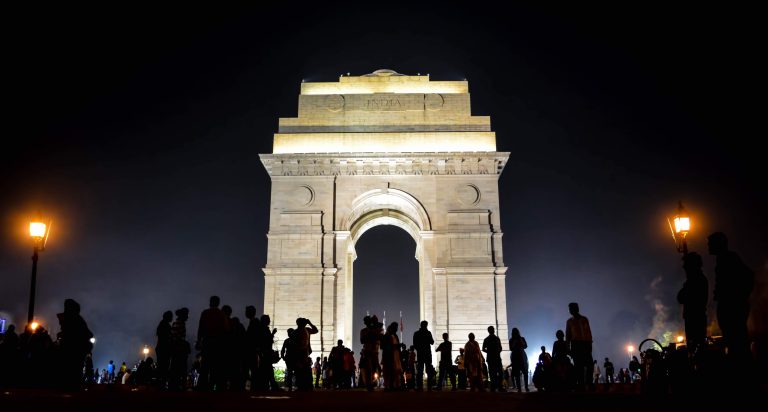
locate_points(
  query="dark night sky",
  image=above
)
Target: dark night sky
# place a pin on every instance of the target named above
(138, 131)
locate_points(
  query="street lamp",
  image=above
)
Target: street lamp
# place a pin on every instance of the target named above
(145, 351)
(682, 225)
(630, 350)
(93, 340)
(39, 232)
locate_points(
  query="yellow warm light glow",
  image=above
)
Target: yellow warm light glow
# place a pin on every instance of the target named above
(385, 142)
(630, 348)
(682, 224)
(680, 339)
(33, 326)
(37, 229)
(145, 350)
(411, 84)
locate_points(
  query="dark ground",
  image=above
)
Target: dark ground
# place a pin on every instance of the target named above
(125, 399)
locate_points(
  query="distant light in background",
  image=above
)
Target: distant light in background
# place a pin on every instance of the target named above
(532, 361)
(33, 326)
(93, 340)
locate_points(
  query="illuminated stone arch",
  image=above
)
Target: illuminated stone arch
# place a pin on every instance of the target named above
(385, 149)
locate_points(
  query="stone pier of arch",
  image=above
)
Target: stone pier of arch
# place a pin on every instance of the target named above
(385, 149)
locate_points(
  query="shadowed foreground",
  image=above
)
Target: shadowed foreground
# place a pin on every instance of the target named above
(145, 400)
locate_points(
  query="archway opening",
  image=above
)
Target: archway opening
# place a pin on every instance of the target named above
(386, 278)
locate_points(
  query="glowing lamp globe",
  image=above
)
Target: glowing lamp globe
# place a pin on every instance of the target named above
(37, 230)
(682, 225)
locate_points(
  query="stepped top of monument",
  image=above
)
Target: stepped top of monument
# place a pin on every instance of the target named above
(385, 81)
(384, 111)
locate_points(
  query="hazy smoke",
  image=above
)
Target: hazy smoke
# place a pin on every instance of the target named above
(662, 329)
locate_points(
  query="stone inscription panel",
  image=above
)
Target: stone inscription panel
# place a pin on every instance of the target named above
(384, 102)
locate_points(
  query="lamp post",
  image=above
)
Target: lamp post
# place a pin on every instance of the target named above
(145, 351)
(682, 225)
(630, 350)
(39, 232)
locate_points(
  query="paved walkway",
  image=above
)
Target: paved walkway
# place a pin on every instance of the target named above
(145, 400)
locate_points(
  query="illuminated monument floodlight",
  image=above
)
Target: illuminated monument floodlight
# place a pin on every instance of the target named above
(387, 112)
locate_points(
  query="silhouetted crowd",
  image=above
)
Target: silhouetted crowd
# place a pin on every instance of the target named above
(36, 359)
(235, 356)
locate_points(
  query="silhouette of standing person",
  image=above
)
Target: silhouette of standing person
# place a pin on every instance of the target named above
(461, 374)
(446, 364)
(519, 359)
(492, 347)
(390, 359)
(303, 363)
(211, 335)
(561, 363)
(288, 355)
(733, 285)
(370, 337)
(693, 296)
(163, 347)
(179, 351)
(252, 346)
(473, 362)
(422, 340)
(9, 357)
(609, 373)
(336, 362)
(74, 344)
(268, 356)
(578, 335)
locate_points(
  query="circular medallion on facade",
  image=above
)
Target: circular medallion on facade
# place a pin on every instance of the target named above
(433, 102)
(334, 102)
(468, 195)
(304, 195)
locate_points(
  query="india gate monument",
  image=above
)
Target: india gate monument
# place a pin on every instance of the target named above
(385, 149)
